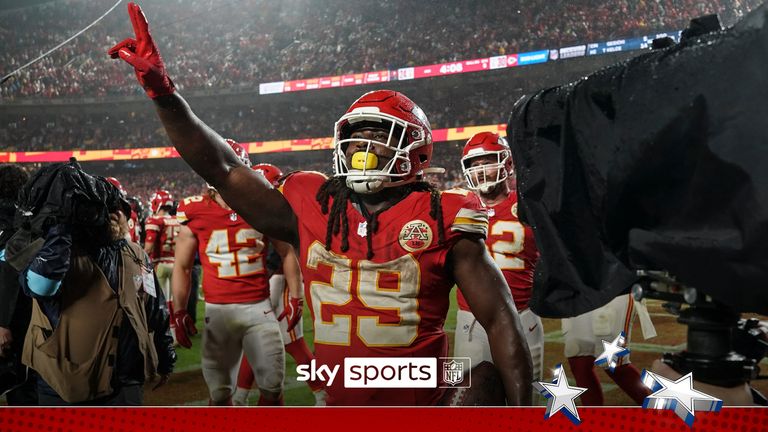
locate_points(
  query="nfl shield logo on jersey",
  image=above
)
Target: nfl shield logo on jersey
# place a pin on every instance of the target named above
(362, 229)
(233, 217)
(416, 235)
(453, 372)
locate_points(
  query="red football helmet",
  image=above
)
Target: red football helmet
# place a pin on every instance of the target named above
(410, 137)
(161, 198)
(270, 172)
(240, 151)
(117, 184)
(496, 169)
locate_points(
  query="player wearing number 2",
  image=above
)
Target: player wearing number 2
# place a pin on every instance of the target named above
(380, 251)
(238, 314)
(487, 166)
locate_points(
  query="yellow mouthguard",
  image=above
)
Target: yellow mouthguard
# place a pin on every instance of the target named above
(362, 161)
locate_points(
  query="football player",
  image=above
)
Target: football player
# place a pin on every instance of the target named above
(238, 314)
(486, 163)
(161, 230)
(380, 250)
(137, 212)
(292, 332)
(583, 336)
(134, 227)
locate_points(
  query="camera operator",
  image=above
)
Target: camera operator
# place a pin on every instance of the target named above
(99, 326)
(15, 309)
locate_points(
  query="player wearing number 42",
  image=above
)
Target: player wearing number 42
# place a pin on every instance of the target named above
(380, 249)
(488, 171)
(239, 318)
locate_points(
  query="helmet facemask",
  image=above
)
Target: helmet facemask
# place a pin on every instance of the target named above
(363, 174)
(482, 177)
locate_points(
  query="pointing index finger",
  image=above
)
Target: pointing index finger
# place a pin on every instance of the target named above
(139, 22)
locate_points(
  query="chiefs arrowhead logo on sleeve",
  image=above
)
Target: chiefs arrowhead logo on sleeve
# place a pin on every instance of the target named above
(416, 235)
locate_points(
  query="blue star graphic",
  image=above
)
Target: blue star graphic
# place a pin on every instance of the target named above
(560, 396)
(612, 352)
(679, 396)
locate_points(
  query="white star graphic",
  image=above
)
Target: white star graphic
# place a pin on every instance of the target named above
(560, 395)
(612, 351)
(679, 396)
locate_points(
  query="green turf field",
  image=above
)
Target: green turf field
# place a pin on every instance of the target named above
(187, 387)
(296, 392)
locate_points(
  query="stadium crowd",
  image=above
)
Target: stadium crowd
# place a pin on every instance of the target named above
(142, 178)
(297, 39)
(261, 122)
(183, 182)
(284, 41)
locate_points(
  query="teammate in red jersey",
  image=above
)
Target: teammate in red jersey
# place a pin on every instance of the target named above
(292, 332)
(380, 251)
(162, 229)
(134, 228)
(487, 166)
(238, 314)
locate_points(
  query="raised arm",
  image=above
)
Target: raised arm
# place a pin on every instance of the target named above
(262, 206)
(487, 294)
(200, 146)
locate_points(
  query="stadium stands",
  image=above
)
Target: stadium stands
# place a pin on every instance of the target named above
(287, 40)
(310, 38)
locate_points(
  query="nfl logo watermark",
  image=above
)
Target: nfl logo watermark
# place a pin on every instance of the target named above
(453, 372)
(456, 371)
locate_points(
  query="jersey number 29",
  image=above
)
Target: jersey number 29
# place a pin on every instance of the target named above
(337, 330)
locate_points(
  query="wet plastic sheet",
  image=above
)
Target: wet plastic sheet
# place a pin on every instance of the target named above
(660, 162)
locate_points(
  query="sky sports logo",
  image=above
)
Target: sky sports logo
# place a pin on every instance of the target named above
(392, 372)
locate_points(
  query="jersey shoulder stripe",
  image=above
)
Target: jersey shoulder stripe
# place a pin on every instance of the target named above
(465, 212)
(186, 209)
(470, 220)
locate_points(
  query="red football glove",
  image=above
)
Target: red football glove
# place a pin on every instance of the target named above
(142, 54)
(185, 327)
(293, 311)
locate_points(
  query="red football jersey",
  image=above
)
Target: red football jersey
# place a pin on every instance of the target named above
(162, 232)
(512, 246)
(393, 305)
(232, 253)
(133, 227)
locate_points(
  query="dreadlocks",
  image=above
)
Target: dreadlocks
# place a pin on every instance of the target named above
(337, 189)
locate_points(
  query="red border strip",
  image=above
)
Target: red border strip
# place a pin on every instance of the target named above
(206, 419)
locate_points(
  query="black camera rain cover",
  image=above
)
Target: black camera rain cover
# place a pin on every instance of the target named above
(659, 162)
(65, 194)
(59, 193)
